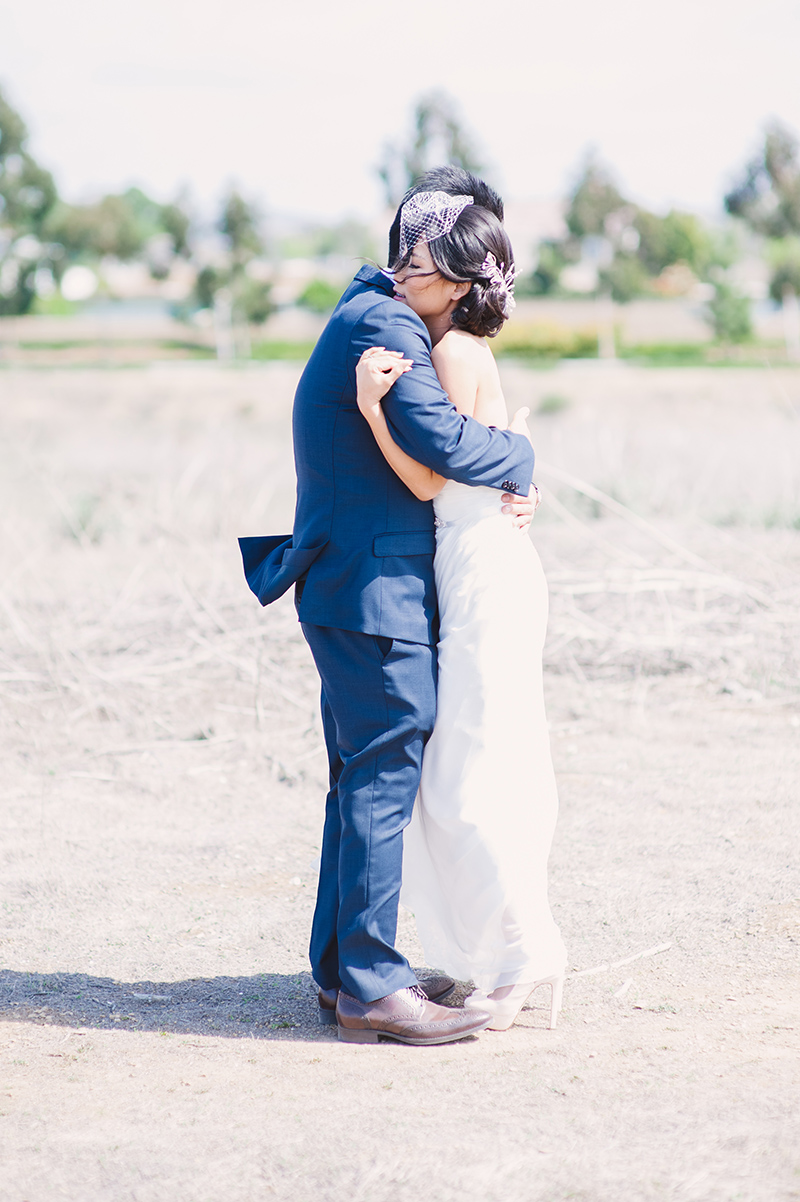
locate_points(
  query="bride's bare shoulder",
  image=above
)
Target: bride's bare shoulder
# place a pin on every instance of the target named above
(457, 346)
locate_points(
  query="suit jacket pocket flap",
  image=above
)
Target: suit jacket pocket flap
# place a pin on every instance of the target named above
(405, 542)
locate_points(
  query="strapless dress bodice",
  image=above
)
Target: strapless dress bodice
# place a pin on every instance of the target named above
(465, 502)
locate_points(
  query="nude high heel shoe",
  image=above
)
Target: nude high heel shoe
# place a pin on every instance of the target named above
(505, 1003)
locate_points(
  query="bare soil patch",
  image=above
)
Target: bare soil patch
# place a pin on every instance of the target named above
(162, 800)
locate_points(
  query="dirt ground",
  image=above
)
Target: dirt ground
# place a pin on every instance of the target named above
(162, 790)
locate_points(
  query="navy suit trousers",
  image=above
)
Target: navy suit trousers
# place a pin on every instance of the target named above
(378, 711)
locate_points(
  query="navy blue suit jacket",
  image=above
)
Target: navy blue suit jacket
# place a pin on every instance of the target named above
(362, 549)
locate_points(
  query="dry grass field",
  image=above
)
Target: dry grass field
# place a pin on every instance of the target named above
(162, 792)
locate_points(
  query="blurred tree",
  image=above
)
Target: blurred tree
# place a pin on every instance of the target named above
(239, 223)
(349, 239)
(13, 131)
(784, 257)
(254, 300)
(600, 222)
(108, 227)
(625, 246)
(676, 238)
(27, 194)
(319, 296)
(176, 222)
(729, 313)
(40, 235)
(724, 248)
(767, 196)
(553, 257)
(438, 136)
(162, 230)
(126, 226)
(208, 282)
(624, 279)
(246, 296)
(593, 200)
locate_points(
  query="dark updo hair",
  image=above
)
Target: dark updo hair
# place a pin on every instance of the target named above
(460, 256)
(455, 181)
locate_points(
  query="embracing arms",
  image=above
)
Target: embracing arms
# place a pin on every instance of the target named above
(376, 372)
(426, 425)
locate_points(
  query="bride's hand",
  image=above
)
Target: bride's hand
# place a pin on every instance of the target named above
(376, 372)
(519, 423)
(523, 508)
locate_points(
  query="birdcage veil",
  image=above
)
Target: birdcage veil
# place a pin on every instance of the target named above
(427, 216)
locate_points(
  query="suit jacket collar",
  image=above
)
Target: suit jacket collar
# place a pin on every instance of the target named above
(376, 278)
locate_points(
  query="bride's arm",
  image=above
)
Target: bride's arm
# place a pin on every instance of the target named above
(376, 372)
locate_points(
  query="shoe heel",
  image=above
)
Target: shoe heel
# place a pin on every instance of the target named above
(327, 1018)
(556, 994)
(357, 1035)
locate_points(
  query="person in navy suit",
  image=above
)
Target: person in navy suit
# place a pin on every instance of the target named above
(361, 560)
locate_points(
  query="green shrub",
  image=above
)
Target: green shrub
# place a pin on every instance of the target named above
(282, 350)
(729, 313)
(546, 342)
(319, 296)
(552, 403)
(666, 354)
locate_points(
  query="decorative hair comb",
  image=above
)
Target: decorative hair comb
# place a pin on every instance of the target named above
(500, 281)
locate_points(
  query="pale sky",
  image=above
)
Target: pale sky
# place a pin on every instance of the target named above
(294, 100)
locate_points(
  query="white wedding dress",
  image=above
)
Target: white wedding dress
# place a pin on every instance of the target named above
(476, 850)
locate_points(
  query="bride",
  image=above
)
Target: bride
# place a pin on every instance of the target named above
(476, 851)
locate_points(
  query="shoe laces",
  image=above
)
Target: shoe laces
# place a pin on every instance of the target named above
(415, 995)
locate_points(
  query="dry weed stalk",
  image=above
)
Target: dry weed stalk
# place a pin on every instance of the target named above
(729, 630)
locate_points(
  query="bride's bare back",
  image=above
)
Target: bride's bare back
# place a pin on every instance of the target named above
(468, 373)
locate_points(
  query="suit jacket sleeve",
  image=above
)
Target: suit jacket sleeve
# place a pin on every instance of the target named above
(425, 423)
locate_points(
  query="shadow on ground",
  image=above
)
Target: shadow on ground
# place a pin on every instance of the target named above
(265, 1006)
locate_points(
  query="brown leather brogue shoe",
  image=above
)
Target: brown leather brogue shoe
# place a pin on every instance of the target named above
(405, 1016)
(434, 988)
